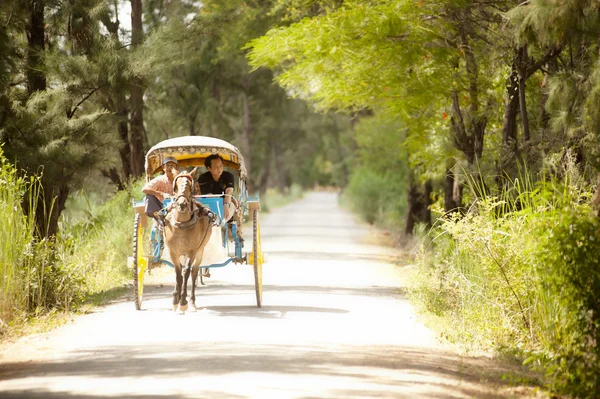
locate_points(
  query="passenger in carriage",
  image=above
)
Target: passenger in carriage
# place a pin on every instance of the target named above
(160, 188)
(220, 182)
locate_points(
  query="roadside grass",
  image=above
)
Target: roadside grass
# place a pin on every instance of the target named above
(46, 280)
(274, 198)
(518, 274)
(86, 265)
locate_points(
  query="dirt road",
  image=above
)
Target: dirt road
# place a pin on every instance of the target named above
(335, 324)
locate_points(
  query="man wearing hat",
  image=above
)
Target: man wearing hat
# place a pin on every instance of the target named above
(160, 187)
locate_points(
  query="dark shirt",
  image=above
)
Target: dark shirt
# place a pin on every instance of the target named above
(209, 186)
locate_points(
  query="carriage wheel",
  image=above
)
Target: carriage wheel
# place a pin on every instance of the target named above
(139, 262)
(257, 258)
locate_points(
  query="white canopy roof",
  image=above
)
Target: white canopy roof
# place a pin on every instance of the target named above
(192, 150)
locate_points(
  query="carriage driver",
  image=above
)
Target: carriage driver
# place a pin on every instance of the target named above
(159, 188)
(220, 182)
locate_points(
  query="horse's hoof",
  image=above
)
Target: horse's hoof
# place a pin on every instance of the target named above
(183, 308)
(174, 308)
(194, 308)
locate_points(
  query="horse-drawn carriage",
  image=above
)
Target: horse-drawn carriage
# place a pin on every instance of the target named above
(221, 242)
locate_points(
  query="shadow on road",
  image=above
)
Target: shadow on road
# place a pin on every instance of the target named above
(402, 372)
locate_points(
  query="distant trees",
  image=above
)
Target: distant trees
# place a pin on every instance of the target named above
(51, 123)
(481, 87)
(81, 94)
(477, 88)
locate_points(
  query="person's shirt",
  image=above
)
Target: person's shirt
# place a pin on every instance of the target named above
(208, 185)
(161, 183)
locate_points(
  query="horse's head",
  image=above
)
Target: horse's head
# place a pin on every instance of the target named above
(182, 187)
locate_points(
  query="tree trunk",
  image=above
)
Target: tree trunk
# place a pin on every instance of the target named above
(47, 210)
(511, 107)
(344, 172)
(137, 97)
(192, 126)
(452, 201)
(523, 63)
(36, 74)
(123, 131)
(119, 107)
(596, 198)
(113, 175)
(509, 126)
(280, 168)
(246, 136)
(426, 208)
(264, 178)
(419, 202)
(522, 68)
(411, 218)
(50, 204)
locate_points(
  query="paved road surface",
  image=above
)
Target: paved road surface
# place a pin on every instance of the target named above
(335, 324)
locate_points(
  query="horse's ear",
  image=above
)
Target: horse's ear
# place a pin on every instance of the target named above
(195, 172)
(175, 183)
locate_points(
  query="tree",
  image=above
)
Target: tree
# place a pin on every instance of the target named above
(53, 125)
(565, 34)
(136, 96)
(388, 56)
(205, 88)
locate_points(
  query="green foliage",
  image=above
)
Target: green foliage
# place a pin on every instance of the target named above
(574, 276)
(97, 242)
(370, 194)
(520, 271)
(89, 256)
(360, 55)
(378, 185)
(274, 198)
(34, 279)
(16, 234)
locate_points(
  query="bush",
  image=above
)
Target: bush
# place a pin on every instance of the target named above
(521, 272)
(573, 258)
(16, 239)
(89, 255)
(34, 278)
(96, 245)
(377, 198)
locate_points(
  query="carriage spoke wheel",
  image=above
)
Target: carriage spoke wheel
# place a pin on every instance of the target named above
(139, 262)
(257, 257)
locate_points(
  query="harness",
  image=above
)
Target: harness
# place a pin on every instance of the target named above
(197, 209)
(196, 213)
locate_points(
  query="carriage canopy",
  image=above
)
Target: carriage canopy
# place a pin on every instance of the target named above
(192, 151)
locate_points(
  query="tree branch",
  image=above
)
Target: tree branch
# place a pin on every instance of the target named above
(71, 112)
(534, 67)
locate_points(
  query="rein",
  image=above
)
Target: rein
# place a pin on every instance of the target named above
(189, 224)
(194, 209)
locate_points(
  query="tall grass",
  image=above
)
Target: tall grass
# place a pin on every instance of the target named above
(378, 199)
(88, 256)
(96, 244)
(500, 276)
(16, 237)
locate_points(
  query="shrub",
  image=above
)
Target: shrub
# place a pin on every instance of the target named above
(34, 279)
(521, 271)
(96, 245)
(376, 198)
(573, 259)
(89, 255)
(16, 236)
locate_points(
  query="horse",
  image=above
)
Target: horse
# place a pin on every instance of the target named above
(188, 227)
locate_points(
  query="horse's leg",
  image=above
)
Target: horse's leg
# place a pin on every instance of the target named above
(183, 304)
(178, 281)
(193, 295)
